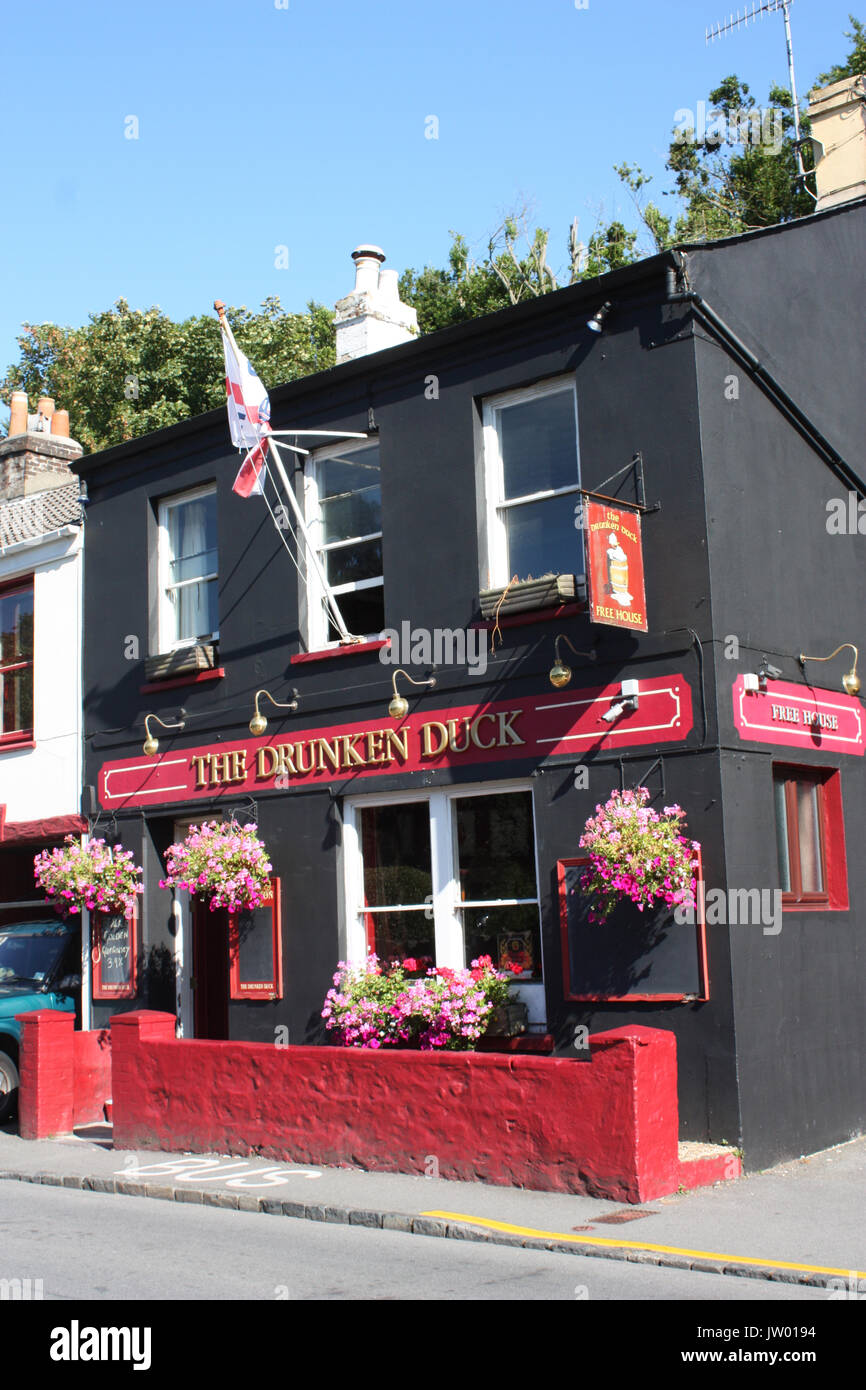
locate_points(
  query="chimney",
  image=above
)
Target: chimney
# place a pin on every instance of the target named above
(372, 317)
(838, 116)
(37, 453)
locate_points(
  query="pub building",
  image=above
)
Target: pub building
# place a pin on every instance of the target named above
(685, 423)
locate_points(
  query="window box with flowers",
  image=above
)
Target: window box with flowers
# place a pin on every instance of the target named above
(373, 1007)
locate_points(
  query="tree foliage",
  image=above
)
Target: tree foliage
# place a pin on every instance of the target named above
(855, 63)
(128, 371)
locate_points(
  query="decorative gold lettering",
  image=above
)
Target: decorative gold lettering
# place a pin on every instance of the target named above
(473, 731)
(261, 770)
(198, 763)
(374, 746)
(400, 738)
(238, 763)
(351, 756)
(218, 773)
(427, 738)
(452, 735)
(286, 755)
(299, 748)
(325, 750)
(507, 735)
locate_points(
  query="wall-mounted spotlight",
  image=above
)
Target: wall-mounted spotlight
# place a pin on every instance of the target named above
(258, 723)
(399, 706)
(596, 323)
(850, 680)
(151, 744)
(560, 674)
(630, 691)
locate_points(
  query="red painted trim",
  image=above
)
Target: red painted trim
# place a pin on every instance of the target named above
(700, 928)
(535, 615)
(258, 989)
(331, 653)
(154, 687)
(112, 991)
(53, 828)
(10, 743)
(526, 1042)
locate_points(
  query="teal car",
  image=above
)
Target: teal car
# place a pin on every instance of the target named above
(40, 968)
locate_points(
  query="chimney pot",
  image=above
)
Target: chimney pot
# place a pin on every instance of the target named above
(60, 423)
(367, 262)
(18, 417)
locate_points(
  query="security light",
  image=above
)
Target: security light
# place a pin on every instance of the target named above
(596, 323)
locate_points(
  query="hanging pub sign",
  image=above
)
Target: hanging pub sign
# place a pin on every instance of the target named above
(114, 953)
(614, 565)
(255, 949)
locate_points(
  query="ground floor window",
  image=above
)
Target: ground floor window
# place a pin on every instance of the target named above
(444, 877)
(810, 839)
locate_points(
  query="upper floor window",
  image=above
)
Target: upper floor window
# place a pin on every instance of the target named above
(344, 516)
(188, 572)
(532, 474)
(810, 838)
(16, 662)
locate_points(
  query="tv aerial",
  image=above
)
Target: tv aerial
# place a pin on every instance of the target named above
(752, 16)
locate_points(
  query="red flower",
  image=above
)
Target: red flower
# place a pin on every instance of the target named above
(410, 963)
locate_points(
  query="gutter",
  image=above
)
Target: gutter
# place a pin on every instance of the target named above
(802, 422)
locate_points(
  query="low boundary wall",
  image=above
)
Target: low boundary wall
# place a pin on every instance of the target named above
(607, 1127)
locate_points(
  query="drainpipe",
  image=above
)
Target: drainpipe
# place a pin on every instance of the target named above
(706, 314)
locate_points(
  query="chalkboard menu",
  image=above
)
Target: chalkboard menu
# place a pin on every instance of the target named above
(633, 955)
(255, 949)
(114, 954)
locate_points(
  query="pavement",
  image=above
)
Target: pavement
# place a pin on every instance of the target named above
(803, 1222)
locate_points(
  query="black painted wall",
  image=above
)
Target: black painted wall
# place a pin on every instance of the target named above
(738, 547)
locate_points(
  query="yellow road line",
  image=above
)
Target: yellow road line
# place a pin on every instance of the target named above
(638, 1245)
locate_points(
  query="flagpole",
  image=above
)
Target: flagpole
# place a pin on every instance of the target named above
(312, 555)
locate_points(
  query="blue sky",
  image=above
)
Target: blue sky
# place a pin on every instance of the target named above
(261, 126)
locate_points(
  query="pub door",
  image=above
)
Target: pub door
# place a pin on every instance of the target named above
(210, 972)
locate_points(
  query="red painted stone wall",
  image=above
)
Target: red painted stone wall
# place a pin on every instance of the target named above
(606, 1127)
(65, 1075)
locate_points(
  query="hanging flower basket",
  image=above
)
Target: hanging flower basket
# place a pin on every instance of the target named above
(637, 854)
(226, 864)
(451, 1009)
(93, 876)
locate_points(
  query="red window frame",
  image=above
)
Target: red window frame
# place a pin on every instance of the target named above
(831, 838)
(19, 737)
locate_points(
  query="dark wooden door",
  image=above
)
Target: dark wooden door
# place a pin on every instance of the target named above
(210, 972)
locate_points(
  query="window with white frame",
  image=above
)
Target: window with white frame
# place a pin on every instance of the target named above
(532, 482)
(444, 877)
(343, 503)
(188, 570)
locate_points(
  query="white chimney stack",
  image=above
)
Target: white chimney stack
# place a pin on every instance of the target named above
(838, 117)
(372, 317)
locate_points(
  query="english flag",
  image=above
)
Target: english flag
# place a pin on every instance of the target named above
(249, 414)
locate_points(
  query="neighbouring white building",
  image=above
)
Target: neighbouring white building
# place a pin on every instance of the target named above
(41, 565)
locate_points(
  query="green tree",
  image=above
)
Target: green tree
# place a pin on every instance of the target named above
(128, 371)
(855, 63)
